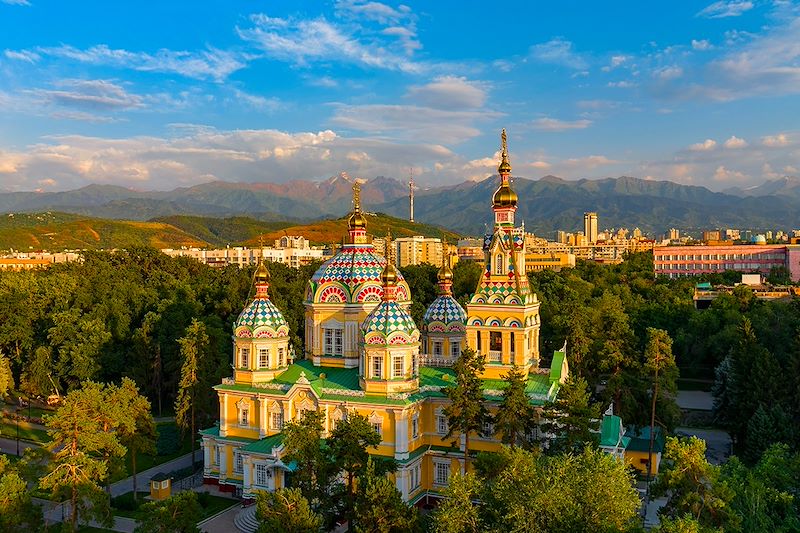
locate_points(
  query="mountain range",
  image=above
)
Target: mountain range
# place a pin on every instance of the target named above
(545, 205)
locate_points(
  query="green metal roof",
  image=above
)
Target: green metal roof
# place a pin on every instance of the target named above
(335, 378)
(264, 445)
(610, 429)
(555, 366)
(640, 439)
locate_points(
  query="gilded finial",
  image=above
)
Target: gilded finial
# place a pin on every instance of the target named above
(357, 197)
(505, 166)
(357, 222)
(389, 274)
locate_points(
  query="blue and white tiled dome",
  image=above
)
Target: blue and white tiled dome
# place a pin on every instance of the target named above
(389, 323)
(445, 314)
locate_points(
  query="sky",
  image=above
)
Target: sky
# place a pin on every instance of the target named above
(157, 95)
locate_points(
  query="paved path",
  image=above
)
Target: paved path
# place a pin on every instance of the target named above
(143, 478)
(9, 446)
(222, 523)
(59, 512)
(718, 442)
(695, 399)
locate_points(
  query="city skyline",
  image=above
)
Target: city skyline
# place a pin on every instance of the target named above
(707, 96)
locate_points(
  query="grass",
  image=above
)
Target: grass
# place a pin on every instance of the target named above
(210, 504)
(8, 430)
(146, 461)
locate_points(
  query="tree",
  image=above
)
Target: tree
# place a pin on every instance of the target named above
(177, 514)
(515, 414)
(140, 437)
(6, 377)
(83, 432)
(380, 507)
(659, 359)
(303, 442)
(684, 524)
(466, 412)
(570, 422)
(285, 511)
(193, 346)
(568, 493)
(17, 511)
(692, 485)
(348, 447)
(457, 513)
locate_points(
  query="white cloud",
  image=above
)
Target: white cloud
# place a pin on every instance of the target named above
(701, 45)
(597, 104)
(725, 8)
(305, 41)
(258, 102)
(735, 142)
(16, 2)
(556, 125)
(725, 175)
(96, 95)
(624, 84)
(773, 141)
(589, 162)
(207, 64)
(411, 122)
(374, 11)
(23, 55)
(558, 51)
(708, 144)
(450, 92)
(668, 73)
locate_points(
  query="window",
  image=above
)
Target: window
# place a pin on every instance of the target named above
(244, 356)
(441, 474)
(238, 463)
(512, 342)
(277, 420)
(498, 264)
(416, 477)
(441, 424)
(415, 427)
(378, 427)
(495, 341)
(280, 357)
(216, 455)
(437, 348)
(333, 341)
(261, 475)
(480, 342)
(397, 367)
(377, 367)
(244, 416)
(488, 429)
(263, 358)
(455, 349)
(414, 365)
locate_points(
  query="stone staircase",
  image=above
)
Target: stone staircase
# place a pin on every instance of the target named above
(245, 520)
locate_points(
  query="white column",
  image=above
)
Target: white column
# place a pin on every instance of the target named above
(262, 417)
(287, 411)
(223, 460)
(401, 482)
(223, 417)
(206, 455)
(401, 435)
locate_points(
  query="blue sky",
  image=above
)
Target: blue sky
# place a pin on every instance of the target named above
(154, 95)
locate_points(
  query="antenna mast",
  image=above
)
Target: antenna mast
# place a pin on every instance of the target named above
(411, 196)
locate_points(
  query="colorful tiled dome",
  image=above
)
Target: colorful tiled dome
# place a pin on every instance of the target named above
(352, 276)
(389, 323)
(261, 314)
(445, 314)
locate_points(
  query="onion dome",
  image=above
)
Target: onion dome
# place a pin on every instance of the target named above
(356, 221)
(504, 196)
(445, 314)
(260, 317)
(389, 323)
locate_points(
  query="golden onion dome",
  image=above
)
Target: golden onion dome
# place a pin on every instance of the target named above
(262, 274)
(505, 166)
(389, 275)
(504, 196)
(445, 273)
(357, 221)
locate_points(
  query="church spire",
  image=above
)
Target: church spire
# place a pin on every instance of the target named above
(445, 277)
(389, 274)
(357, 224)
(504, 201)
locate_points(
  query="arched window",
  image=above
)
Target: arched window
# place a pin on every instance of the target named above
(498, 264)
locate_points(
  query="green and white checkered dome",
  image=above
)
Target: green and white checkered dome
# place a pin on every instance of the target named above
(262, 313)
(445, 314)
(389, 323)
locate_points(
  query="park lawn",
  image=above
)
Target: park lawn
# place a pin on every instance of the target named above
(210, 504)
(145, 461)
(8, 430)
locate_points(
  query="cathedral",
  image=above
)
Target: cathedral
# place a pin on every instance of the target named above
(365, 354)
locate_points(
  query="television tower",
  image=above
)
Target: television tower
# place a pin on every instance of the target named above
(411, 196)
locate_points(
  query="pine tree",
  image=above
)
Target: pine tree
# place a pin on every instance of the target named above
(177, 514)
(466, 412)
(348, 445)
(380, 507)
(285, 511)
(193, 346)
(141, 436)
(659, 360)
(571, 420)
(6, 377)
(457, 513)
(303, 444)
(515, 415)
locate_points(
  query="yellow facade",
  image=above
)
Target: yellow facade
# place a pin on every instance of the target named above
(363, 353)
